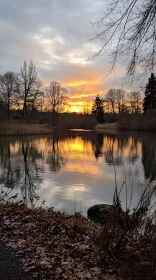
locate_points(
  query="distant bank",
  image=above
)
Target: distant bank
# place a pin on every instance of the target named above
(130, 122)
(13, 129)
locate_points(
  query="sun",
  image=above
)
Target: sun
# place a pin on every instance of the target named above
(75, 109)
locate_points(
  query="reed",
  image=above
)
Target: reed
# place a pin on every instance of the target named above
(106, 126)
(12, 129)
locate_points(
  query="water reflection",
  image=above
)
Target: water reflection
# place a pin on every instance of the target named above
(78, 166)
(56, 156)
(97, 143)
(9, 174)
(149, 156)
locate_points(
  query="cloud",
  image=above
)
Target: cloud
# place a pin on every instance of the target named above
(55, 35)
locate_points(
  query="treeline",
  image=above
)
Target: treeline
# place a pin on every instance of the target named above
(117, 102)
(24, 92)
(23, 96)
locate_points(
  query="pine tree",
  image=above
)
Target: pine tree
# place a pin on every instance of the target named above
(97, 109)
(149, 104)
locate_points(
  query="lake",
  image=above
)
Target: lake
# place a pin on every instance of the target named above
(78, 169)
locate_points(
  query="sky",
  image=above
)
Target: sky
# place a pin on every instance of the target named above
(55, 35)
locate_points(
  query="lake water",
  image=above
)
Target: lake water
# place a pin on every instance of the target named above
(78, 169)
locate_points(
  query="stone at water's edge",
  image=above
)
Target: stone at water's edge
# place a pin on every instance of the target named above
(98, 212)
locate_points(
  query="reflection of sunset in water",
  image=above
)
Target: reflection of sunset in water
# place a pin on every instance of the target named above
(77, 166)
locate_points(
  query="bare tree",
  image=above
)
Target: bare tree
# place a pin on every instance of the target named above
(57, 99)
(135, 101)
(129, 28)
(29, 88)
(7, 89)
(111, 98)
(120, 96)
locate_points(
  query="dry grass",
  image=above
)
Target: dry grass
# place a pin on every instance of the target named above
(23, 129)
(130, 122)
(106, 126)
(138, 122)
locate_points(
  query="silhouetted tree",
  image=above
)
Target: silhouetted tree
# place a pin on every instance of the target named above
(97, 109)
(115, 98)
(2, 110)
(111, 98)
(8, 87)
(29, 88)
(135, 100)
(57, 99)
(149, 104)
(120, 99)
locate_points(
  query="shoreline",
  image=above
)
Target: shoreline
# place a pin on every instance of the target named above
(20, 129)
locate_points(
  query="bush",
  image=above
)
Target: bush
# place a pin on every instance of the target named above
(137, 122)
(128, 240)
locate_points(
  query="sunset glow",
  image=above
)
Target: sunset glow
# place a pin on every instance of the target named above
(61, 51)
(79, 107)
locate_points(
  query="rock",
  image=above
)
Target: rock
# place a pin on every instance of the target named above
(98, 212)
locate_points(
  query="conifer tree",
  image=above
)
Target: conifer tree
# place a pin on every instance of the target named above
(149, 103)
(97, 109)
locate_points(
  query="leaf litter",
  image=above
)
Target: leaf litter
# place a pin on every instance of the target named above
(53, 245)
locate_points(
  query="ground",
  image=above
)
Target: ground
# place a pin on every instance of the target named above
(10, 266)
(51, 244)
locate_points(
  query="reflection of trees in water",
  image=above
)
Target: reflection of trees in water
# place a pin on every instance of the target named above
(19, 169)
(56, 157)
(134, 152)
(129, 147)
(113, 150)
(9, 171)
(149, 156)
(116, 147)
(121, 146)
(97, 144)
(22, 160)
(30, 179)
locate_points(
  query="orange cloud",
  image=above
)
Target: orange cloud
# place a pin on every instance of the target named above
(75, 84)
(92, 81)
(81, 96)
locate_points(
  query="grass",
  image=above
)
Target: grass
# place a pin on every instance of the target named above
(130, 122)
(65, 121)
(12, 129)
(106, 126)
